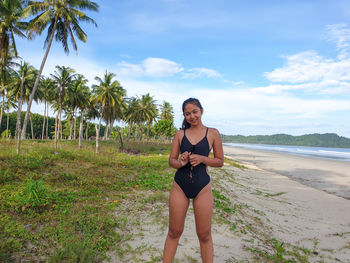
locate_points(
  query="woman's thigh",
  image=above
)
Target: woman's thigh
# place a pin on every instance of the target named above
(203, 210)
(178, 206)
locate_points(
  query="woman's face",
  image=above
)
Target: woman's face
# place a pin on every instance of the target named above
(193, 114)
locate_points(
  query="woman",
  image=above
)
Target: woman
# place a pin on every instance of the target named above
(192, 181)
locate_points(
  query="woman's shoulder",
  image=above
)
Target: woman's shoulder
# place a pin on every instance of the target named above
(179, 132)
(213, 131)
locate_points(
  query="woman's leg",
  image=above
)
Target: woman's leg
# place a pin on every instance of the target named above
(203, 210)
(178, 205)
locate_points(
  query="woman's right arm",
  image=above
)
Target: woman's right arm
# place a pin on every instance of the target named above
(174, 154)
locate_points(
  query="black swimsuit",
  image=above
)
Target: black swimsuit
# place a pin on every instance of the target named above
(200, 178)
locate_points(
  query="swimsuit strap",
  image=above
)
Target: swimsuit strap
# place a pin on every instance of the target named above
(206, 133)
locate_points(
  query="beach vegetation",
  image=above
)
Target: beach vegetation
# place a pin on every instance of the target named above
(234, 163)
(53, 200)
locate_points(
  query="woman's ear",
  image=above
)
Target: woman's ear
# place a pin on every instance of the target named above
(202, 110)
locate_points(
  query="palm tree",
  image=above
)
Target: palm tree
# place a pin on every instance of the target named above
(46, 89)
(19, 88)
(79, 96)
(130, 115)
(167, 112)
(62, 18)
(63, 77)
(82, 100)
(93, 112)
(6, 75)
(147, 112)
(10, 25)
(109, 95)
(9, 103)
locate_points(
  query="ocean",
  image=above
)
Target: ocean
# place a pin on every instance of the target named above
(341, 154)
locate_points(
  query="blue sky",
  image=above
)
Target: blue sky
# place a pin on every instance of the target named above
(258, 67)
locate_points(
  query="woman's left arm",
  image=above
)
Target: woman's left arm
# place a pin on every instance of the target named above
(218, 159)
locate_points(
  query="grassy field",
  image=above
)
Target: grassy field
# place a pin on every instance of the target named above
(71, 205)
(62, 206)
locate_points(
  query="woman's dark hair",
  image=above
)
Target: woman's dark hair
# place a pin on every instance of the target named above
(185, 124)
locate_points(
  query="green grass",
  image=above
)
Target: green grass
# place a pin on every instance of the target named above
(62, 203)
(234, 163)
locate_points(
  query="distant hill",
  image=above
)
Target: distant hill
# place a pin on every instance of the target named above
(316, 139)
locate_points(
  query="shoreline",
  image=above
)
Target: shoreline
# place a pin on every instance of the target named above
(331, 176)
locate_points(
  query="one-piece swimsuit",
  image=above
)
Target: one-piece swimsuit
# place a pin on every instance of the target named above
(192, 179)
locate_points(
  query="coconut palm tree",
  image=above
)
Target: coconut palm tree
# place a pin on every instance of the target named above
(6, 75)
(9, 103)
(92, 113)
(131, 115)
(62, 77)
(20, 88)
(10, 25)
(147, 112)
(78, 97)
(62, 18)
(46, 89)
(82, 102)
(167, 111)
(108, 93)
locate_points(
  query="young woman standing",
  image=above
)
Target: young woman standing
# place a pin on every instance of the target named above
(194, 142)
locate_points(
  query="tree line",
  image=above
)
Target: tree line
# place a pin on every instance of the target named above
(315, 140)
(65, 91)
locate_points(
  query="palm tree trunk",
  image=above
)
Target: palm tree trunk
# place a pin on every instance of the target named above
(106, 130)
(148, 130)
(19, 110)
(141, 132)
(56, 130)
(36, 83)
(75, 124)
(121, 146)
(31, 125)
(2, 109)
(87, 129)
(98, 134)
(70, 128)
(81, 127)
(7, 123)
(60, 124)
(47, 121)
(43, 129)
(110, 130)
(128, 138)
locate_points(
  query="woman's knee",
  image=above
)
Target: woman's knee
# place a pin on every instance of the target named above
(204, 236)
(175, 233)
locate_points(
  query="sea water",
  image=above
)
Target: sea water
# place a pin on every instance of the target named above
(342, 154)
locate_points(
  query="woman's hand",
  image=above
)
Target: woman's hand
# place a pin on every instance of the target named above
(196, 159)
(184, 158)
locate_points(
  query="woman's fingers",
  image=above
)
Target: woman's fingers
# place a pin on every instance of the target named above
(195, 159)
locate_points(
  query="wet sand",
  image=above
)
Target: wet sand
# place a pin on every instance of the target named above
(331, 176)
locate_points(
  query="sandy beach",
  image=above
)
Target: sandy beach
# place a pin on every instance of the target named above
(332, 176)
(271, 214)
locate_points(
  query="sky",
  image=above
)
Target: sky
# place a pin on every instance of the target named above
(257, 67)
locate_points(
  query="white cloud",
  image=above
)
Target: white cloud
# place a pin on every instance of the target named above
(201, 72)
(160, 67)
(150, 67)
(308, 71)
(340, 34)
